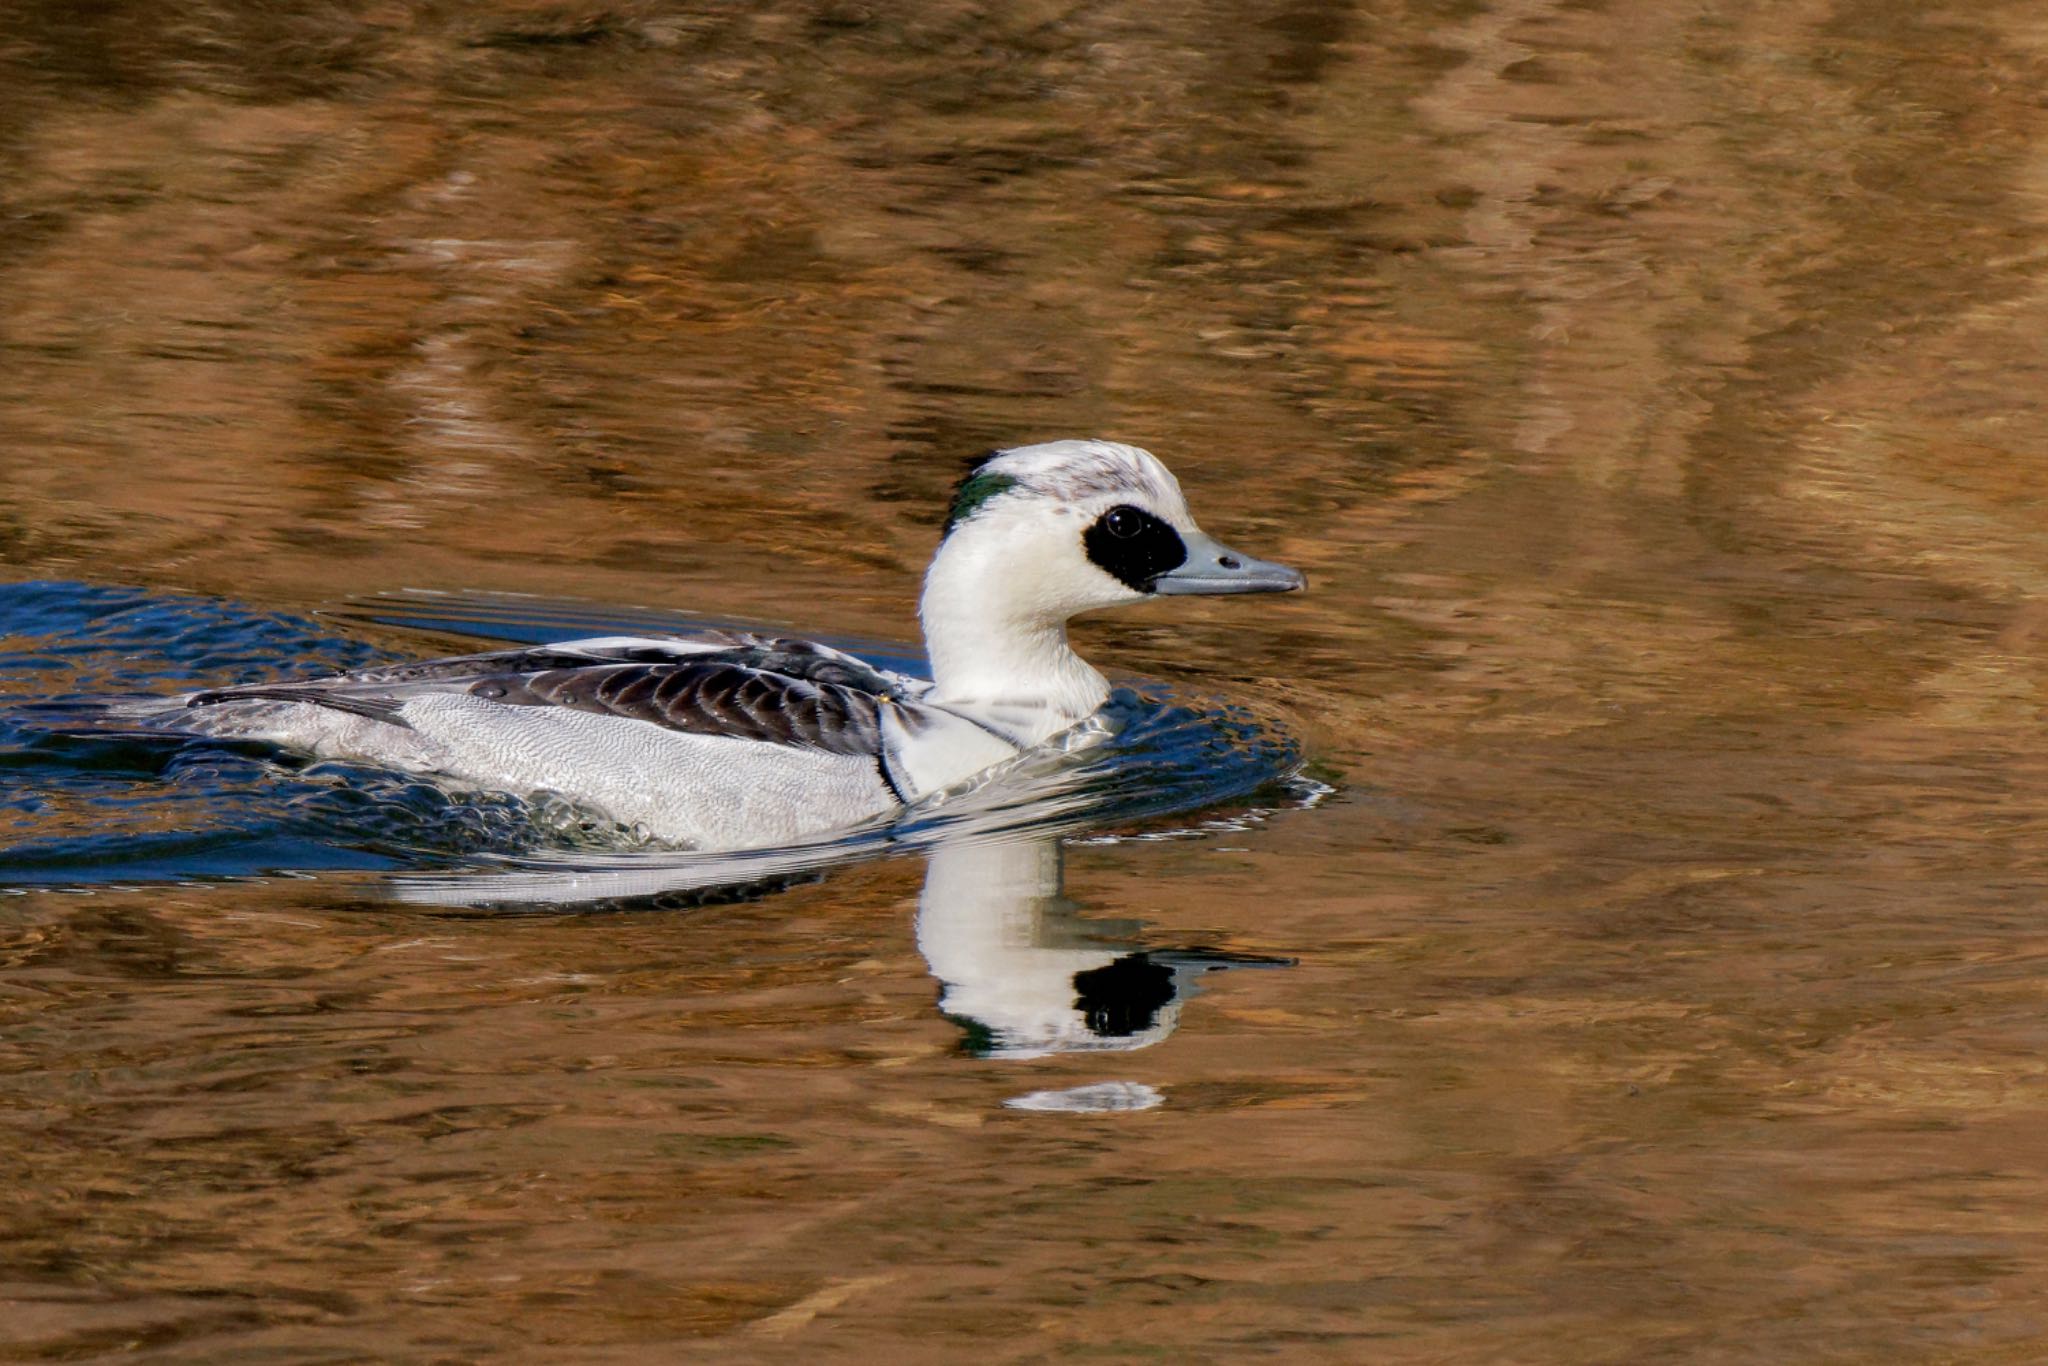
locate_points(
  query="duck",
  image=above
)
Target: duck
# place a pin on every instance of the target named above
(731, 740)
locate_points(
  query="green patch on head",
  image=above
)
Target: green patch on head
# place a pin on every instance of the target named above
(976, 489)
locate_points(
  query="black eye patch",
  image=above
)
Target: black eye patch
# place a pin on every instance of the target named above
(1133, 547)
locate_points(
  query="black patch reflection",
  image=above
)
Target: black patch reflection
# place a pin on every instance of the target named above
(1122, 999)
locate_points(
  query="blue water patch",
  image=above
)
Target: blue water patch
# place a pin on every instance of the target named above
(82, 806)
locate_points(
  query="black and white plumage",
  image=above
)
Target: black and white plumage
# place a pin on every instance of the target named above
(761, 688)
(734, 740)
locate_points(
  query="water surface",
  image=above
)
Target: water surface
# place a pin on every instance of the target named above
(1652, 394)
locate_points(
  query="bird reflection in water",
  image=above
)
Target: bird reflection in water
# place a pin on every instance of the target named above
(1027, 974)
(1020, 967)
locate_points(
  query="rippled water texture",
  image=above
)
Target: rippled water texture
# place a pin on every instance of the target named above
(1648, 965)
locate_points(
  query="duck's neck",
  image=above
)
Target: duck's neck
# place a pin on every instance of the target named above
(1002, 657)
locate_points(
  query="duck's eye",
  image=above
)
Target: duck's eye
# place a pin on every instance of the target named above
(1133, 546)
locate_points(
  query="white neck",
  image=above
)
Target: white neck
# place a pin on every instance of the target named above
(998, 645)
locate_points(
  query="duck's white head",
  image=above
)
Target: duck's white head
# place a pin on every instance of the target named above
(1039, 534)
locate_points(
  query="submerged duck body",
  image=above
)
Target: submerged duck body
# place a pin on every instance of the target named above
(730, 740)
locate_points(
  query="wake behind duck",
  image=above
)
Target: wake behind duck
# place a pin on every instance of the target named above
(733, 740)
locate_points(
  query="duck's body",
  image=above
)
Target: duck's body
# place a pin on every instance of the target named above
(726, 740)
(732, 740)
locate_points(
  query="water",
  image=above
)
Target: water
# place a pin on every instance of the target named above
(1018, 970)
(1650, 393)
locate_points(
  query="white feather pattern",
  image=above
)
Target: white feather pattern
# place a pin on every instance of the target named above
(709, 791)
(927, 749)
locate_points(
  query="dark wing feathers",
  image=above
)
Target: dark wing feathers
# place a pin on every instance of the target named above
(464, 667)
(774, 654)
(706, 698)
(753, 687)
(806, 660)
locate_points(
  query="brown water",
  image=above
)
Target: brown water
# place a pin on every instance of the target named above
(1653, 393)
